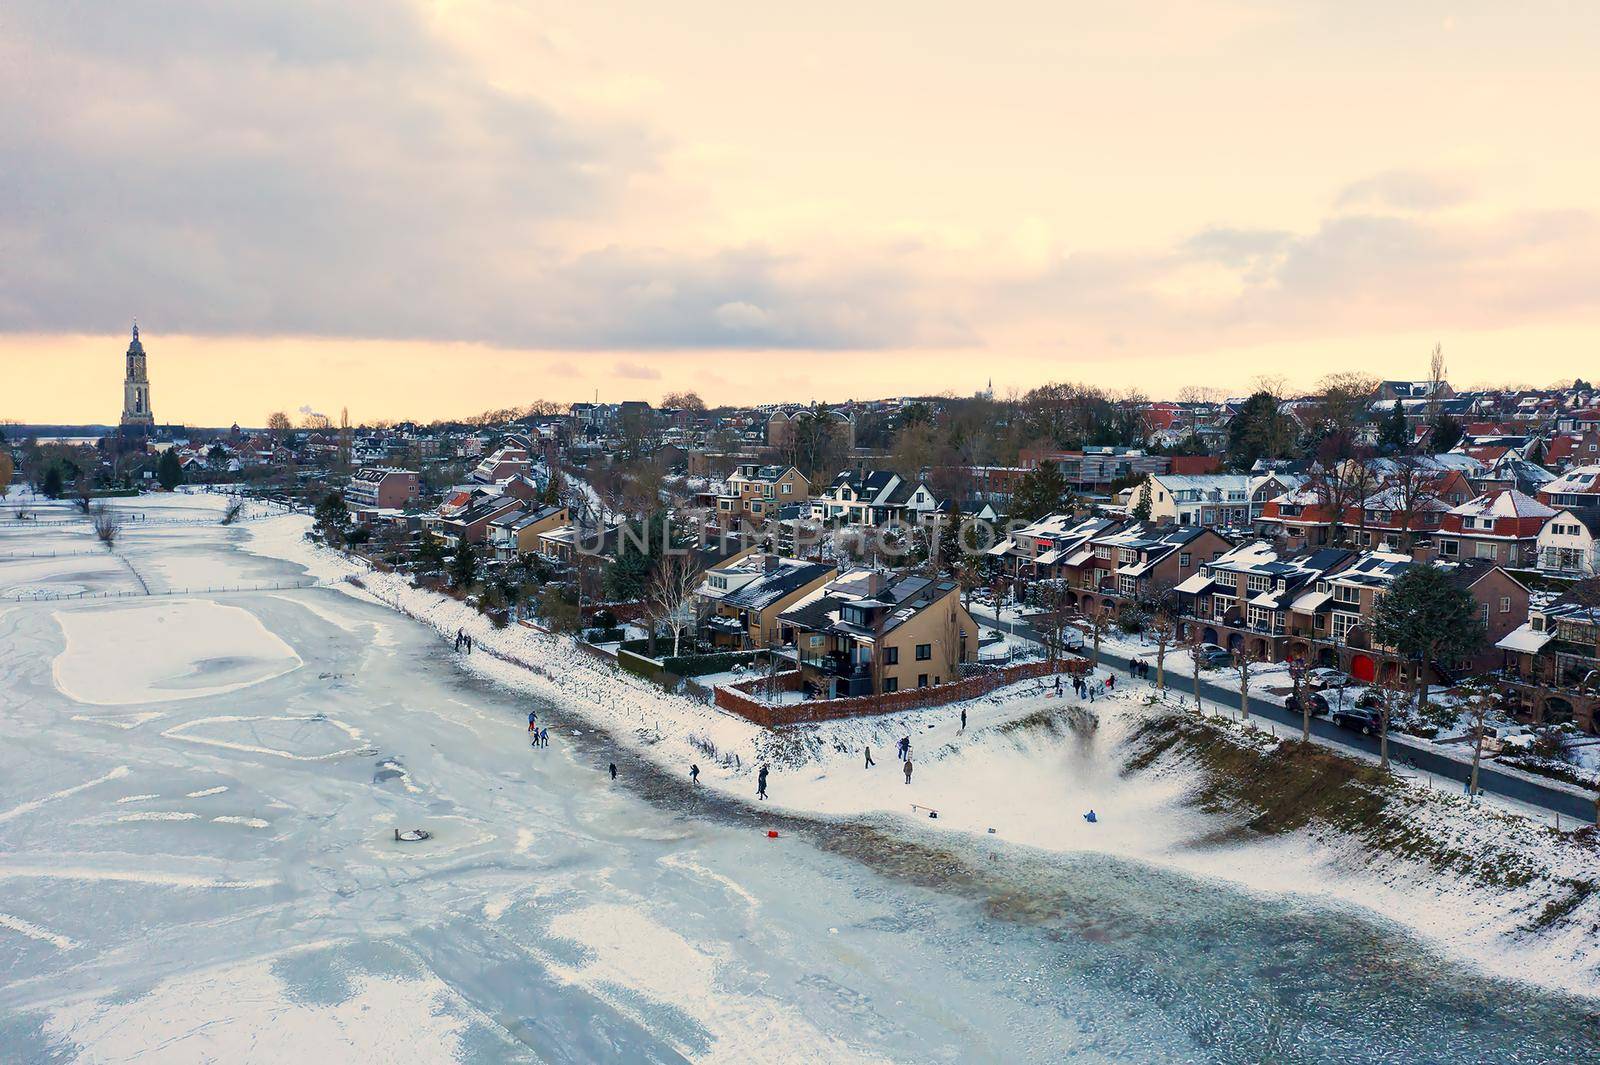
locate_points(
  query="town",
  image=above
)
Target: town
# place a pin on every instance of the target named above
(1394, 557)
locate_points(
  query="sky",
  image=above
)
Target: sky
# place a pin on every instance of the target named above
(428, 208)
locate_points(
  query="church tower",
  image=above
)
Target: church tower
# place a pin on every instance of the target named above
(136, 416)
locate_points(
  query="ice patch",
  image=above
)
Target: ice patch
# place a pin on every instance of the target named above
(121, 721)
(309, 732)
(629, 950)
(248, 822)
(160, 815)
(179, 649)
(33, 804)
(33, 931)
(247, 1013)
(208, 791)
(126, 876)
(137, 798)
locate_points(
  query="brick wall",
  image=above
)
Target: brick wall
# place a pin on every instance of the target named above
(736, 698)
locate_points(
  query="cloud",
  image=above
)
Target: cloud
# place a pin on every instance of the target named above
(634, 372)
(295, 169)
(1406, 190)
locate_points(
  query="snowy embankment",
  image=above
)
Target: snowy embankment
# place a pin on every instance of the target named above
(1028, 766)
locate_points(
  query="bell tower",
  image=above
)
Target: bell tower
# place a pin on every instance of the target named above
(136, 415)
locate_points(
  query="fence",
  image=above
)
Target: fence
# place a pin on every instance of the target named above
(737, 698)
(52, 597)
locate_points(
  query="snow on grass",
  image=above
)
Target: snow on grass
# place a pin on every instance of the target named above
(160, 651)
(248, 1013)
(137, 798)
(121, 721)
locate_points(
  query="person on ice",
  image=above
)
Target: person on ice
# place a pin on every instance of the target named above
(469, 645)
(964, 719)
(694, 774)
(870, 762)
(533, 715)
(761, 783)
(1091, 818)
(460, 635)
(613, 771)
(544, 737)
(908, 769)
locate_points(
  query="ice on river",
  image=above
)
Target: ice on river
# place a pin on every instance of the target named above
(121, 654)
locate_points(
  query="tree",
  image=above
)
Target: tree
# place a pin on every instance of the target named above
(1426, 618)
(51, 486)
(1394, 437)
(169, 471)
(682, 401)
(1141, 505)
(1480, 697)
(1259, 430)
(554, 490)
(1536, 453)
(464, 566)
(106, 526)
(332, 519)
(671, 599)
(279, 425)
(1447, 433)
(1162, 627)
(1099, 625)
(1039, 492)
(1246, 660)
(8, 470)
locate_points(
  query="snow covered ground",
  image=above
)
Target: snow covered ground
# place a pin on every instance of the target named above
(196, 846)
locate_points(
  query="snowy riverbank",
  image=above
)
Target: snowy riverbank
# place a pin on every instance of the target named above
(1022, 769)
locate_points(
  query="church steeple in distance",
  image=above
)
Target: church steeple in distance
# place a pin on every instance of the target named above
(136, 414)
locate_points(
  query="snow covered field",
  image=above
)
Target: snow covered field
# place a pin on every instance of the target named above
(198, 796)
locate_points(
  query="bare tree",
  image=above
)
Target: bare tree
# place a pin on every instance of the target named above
(1099, 625)
(106, 525)
(670, 599)
(1247, 661)
(1480, 697)
(1162, 627)
(1195, 641)
(1436, 372)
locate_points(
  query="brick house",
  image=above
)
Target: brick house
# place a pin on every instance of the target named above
(1552, 665)
(744, 596)
(382, 488)
(1135, 562)
(1502, 527)
(866, 633)
(753, 492)
(1262, 599)
(517, 532)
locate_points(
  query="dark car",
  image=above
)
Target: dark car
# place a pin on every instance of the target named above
(1319, 703)
(1210, 656)
(1362, 719)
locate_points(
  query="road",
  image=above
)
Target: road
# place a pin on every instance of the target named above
(1552, 797)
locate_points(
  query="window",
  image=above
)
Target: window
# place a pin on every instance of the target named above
(891, 656)
(1449, 547)
(1184, 558)
(786, 487)
(1505, 604)
(891, 684)
(924, 652)
(1344, 593)
(1343, 623)
(1485, 550)
(1258, 583)
(1128, 586)
(922, 680)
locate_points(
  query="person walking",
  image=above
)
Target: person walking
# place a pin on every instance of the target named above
(908, 769)
(1111, 678)
(761, 783)
(613, 771)
(870, 762)
(963, 719)
(1058, 685)
(469, 644)
(544, 737)
(459, 635)
(533, 716)
(694, 774)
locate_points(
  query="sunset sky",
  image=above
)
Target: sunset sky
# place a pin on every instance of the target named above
(422, 209)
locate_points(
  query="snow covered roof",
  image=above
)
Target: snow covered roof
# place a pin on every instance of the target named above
(1507, 504)
(1523, 638)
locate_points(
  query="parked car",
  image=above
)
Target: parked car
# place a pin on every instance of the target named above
(1210, 656)
(1322, 678)
(1363, 719)
(1498, 740)
(1319, 704)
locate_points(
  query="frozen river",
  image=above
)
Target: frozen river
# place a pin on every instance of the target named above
(198, 794)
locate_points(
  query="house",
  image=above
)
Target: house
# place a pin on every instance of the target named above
(467, 520)
(1096, 469)
(873, 497)
(508, 461)
(1261, 599)
(1568, 544)
(567, 543)
(1356, 590)
(865, 633)
(1229, 500)
(382, 488)
(1039, 550)
(744, 596)
(1502, 527)
(1578, 486)
(1552, 664)
(753, 492)
(516, 532)
(1136, 562)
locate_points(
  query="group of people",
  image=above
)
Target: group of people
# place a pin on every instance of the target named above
(541, 736)
(1139, 668)
(463, 639)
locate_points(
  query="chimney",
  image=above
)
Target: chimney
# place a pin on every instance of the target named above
(769, 563)
(874, 583)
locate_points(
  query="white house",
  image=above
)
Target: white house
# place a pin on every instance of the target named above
(1568, 543)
